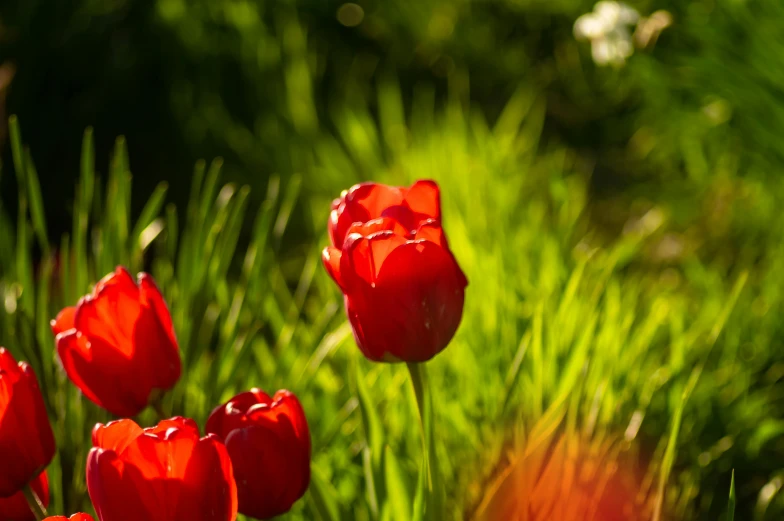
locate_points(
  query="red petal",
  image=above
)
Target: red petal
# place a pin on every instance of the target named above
(117, 490)
(116, 435)
(26, 439)
(424, 198)
(432, 231)
(38, 429)
(183, 427)
(232, 414)
(374, 198)
(409, 221)
(208, 489)
(262, 495)
(162, 457)
(415, 307)
(363, 256)
(103, 374)
(8, 366)
(381, 224)
(151, 297)
(64, 320)
(155, 332)
(285, 402)
(361, 203)
(331, 258)
(119, 277)
(111, 315)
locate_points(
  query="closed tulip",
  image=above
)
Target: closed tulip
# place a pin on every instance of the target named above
(26, 439)
(76, 517)
(162, 473)
(269, 444)
(15, 508)
(118, 345)
(403, 289)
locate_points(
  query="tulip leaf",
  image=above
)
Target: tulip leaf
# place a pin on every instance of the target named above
(398, 497)
(418, 513)
(370, 481)
(323, 497)
(374, 433)
(372, 423)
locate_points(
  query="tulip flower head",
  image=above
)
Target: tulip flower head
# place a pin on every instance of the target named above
(402, 287)
(15, 508)
(269, 444)
(26, 440)
(118, 345)
(76, 517)
(162, 473)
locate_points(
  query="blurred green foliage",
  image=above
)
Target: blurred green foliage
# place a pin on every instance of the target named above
(620, 227)
(238, 78)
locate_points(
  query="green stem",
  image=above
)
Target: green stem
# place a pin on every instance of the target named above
(424, 401)
(35, 503)
(417, 379)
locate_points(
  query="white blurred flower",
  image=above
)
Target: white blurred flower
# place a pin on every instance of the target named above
(607, 28)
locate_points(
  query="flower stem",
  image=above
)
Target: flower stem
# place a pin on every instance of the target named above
(424, 401)
(35, 503)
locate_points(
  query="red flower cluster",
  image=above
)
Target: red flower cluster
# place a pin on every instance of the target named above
(118, 346)
(404, 296)
(402, 286)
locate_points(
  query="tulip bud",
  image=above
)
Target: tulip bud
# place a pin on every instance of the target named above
(118, 345)
(269, 444)
(26, 439)
(402, 287)
(162, 472)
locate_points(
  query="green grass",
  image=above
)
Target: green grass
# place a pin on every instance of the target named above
(565, 332)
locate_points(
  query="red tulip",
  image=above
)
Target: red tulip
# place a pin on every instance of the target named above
(15, 508)
(26, 439)
(162, 473)
(402, 287)
(118, 345)
(76, 517)
(269, 444)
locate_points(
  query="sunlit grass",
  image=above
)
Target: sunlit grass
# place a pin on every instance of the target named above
(564, 336)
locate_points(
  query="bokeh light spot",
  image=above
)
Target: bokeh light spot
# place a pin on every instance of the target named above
(350, 14)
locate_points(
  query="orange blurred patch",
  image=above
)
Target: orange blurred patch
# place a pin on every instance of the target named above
(571, 479)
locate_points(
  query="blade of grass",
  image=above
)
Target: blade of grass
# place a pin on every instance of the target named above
(731, 500)
(36, 204)
(398, 497)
